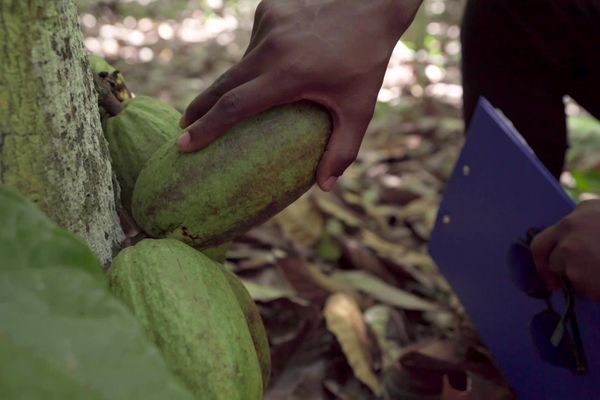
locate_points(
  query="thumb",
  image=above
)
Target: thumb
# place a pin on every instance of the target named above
(542, 247)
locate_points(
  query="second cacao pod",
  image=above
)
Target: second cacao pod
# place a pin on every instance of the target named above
(189, 309)
(143, 126)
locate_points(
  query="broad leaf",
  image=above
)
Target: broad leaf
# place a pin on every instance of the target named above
(29, 239)
(62, 333)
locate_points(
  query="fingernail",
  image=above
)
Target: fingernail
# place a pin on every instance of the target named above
(182, 122)
(184, 140)
(330, 183)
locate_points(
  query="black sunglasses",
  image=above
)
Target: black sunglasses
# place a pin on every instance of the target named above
(548, 329)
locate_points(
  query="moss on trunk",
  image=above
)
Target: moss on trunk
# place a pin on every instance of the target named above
(51, 144)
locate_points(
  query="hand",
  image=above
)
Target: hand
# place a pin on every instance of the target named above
(333, 52)
(571, 249)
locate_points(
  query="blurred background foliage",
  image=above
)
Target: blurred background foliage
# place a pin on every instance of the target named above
(353, 305)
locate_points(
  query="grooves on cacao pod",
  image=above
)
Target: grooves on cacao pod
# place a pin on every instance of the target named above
(187, 306)
(255, 324)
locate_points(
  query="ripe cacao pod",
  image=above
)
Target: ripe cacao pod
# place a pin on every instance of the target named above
(143, 126)
(187, 306)
(240, 180)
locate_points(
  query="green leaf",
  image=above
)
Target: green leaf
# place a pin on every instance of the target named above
(62, 333)
(29, 239)
(327, 249)
(587, 181)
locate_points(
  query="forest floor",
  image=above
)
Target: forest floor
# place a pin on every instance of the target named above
(353, 305)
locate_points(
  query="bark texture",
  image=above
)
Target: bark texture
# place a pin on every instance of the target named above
(51, 144)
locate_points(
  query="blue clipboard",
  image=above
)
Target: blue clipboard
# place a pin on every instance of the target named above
(496, 193)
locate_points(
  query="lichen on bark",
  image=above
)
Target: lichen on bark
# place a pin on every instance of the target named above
(51, 144)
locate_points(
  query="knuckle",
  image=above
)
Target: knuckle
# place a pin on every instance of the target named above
(221, 80)
(230, 103)
(289, 68)
(194, 132)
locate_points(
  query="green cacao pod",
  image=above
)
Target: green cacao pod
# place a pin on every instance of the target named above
(253, 319)
(240, 180)
(187, 306)
(255, 324)
(143, 126)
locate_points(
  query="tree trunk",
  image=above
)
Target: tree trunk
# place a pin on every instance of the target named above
(51, 145)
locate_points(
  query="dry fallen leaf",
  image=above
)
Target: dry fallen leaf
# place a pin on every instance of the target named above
(345, 321)
(360, 257)
(380, 318)
(268, 293)
(299, 382)
(329, 204)
(449, 393)
(382, 246)
(298, 276)
(479, 389)
(308, 281)
(250, 258)
(381, 291)
(418, 208)
(301, 222)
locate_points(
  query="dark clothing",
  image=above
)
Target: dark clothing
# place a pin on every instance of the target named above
(524, 56)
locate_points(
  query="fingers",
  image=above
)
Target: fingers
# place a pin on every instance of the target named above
(235, 76)
(542, 248)
(341, 151)
(244, 101)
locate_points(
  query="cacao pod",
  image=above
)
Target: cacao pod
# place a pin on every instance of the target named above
(143, 126)
(240, 180)
(253, 319)
(186, 304)
(255, 324)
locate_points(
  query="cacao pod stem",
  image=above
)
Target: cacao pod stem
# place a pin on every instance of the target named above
(106, 97)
